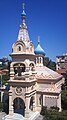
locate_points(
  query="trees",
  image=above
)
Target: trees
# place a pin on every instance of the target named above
(64, 99)
(49, 63)
(53, 114)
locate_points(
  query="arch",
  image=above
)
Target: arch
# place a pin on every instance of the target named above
(14, 63)
(19, 106)
(15, 46)
(31, 103)
(21, 44)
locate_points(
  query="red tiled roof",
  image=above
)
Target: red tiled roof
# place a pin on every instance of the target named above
(62, 70)
(3, 71)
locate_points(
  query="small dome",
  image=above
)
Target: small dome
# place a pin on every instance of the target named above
(39, 50)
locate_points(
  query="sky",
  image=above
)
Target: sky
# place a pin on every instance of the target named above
(44, 18)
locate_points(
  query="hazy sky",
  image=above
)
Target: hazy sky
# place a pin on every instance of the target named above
(46, 18)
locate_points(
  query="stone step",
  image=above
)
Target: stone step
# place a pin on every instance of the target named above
(15, 116)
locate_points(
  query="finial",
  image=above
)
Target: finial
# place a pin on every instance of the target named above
(23, 13)
(38, 39)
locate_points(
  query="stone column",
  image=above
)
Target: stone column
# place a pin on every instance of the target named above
(39, 60)
(36, 60)
(42, 61)
(59, 102)
(27, 107)
(38, 103)
(34, 103)
(11, 73)
(26, 76)
(43, 100)
(10, 101)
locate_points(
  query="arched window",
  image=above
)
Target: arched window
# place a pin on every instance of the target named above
(32, 101)
(40, 100)
(19, 48)
(37, 60)
(31, 66)
(40, 60)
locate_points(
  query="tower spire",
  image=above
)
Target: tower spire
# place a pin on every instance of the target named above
(23, 15)
(23, 32)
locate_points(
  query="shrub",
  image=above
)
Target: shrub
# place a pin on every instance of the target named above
(1, 106)
(52, 114)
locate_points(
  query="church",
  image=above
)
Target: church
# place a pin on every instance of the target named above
(32, 85)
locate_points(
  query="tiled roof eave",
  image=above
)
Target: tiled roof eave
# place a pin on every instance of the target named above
(54, 79)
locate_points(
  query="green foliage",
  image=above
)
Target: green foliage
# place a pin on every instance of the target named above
(53, 108)
(5, 65)
(6, 106)
(65, 76)
(53, 114)
(64, 99)
(44, 111)
(5, 78)
(49, 63)
(1, 106)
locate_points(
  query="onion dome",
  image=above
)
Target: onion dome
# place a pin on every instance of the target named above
(23, 13)
(39, 49)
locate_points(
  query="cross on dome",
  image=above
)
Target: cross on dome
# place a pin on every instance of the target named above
(23, 4)
(38, 39)
(39, 49)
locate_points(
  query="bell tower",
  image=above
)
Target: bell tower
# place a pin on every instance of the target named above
(39, 52)
(22, 93)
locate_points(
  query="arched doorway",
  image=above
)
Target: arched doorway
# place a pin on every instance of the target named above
(31, 103)
(19, 106)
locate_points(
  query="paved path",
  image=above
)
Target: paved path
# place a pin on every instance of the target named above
(1, 115)
(40, 117)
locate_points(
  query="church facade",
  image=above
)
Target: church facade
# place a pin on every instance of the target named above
(32, 85)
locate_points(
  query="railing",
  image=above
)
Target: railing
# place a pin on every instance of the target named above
(19, 78)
